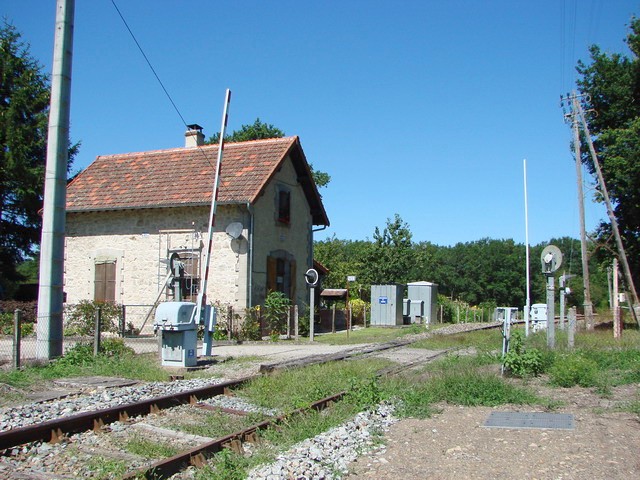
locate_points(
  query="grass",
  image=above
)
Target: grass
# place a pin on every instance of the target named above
(368, 335)
(103, 468)
(291, 389)
(146, 448)
(139, 367)
(481, 340)
(216, 424)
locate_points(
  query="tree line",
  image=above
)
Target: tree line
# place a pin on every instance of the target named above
(485, 271)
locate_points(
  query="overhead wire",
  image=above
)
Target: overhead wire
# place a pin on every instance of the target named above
(175, 107)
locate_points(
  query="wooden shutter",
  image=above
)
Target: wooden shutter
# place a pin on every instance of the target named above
(272, 272)
(105, 282)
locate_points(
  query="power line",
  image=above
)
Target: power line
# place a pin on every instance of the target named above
(148, 62)
(175, 107)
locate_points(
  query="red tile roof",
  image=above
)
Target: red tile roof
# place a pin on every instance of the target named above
(184, 176)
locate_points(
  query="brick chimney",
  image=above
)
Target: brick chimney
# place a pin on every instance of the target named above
(193, 137)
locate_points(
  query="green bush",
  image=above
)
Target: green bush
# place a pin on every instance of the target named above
(276, 306)
(574, 369)
(358, 308)
(80, 318)
(250, 327)
(520, 361)
(115, 347)
(6, 326)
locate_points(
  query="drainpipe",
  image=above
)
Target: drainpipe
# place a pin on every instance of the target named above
(250, 259)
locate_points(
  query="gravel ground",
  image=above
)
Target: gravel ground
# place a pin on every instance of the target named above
(454, 444)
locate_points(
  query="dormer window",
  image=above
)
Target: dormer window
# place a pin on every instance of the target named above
(284, 206)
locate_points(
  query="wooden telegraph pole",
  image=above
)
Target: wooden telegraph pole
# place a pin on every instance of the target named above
(588, 306)
(614, 224)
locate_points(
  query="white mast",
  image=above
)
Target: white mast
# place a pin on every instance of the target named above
(198, 312)
(527, 306)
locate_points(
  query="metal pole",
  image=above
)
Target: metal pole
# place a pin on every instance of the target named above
(49, 331)
(123, 324)
(527, 306)
(551, 314)
(17, 334)
(588, 307)
(97, 331)
(562, 278)
(312, 307)
(198, 312)
(296, 322)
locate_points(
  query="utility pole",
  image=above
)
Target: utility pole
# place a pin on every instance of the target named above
(614, 224)
(588, 306)
(50, 293)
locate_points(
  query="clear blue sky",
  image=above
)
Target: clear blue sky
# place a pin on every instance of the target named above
(422, 108)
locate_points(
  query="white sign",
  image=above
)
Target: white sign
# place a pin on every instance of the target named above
(351, 278)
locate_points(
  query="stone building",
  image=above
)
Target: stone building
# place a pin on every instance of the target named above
(128, 214)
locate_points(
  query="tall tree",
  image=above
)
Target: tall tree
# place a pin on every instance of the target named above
(611, 83)
(24, 104)
(258, 131)
(391, 256)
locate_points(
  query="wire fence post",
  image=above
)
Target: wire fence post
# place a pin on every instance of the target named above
(123, 318)
(96, 332)
(17, 330)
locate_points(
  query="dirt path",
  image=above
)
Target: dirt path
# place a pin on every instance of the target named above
(454, 444)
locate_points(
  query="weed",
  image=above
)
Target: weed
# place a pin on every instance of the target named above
(148, 449)
(276, 306)
(225, 465)
(364, 392)
(103, 468)
(477, 388)
(633, 407)
(520, 361)
(574, 369)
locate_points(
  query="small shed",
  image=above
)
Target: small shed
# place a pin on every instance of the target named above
(386, 305)
(427, 293)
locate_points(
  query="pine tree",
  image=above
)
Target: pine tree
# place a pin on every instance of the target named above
(24, 104)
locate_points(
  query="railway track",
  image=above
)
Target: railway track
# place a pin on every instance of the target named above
(55, 431)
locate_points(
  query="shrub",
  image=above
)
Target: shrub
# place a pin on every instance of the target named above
(276, 306)
(115, 347)
(522, 362)
(250, 329)
(80, 318)
(358, 308)
(574, 369)
(6, 326)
